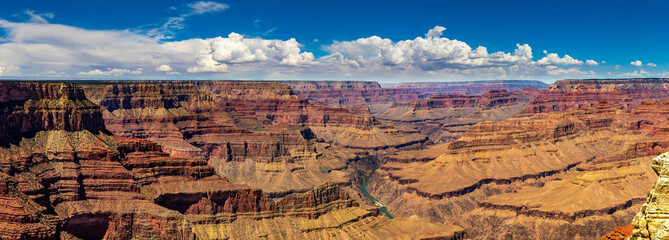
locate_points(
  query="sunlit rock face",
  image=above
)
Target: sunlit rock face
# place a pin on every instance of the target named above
(568, 173)
(652, 221)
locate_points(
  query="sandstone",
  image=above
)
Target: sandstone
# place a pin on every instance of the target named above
(567, 95)
(579, 173)
(470, 87)
(350, 93)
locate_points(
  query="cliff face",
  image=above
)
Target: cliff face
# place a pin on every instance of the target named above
(31, 107)
(470, 87)
(349, 93)
(184, 121)
(574, 174)
(651, 222)
(82, 182)
(445, 117)
(567, 95)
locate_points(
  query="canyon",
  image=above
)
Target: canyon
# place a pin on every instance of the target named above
(65, 175)
(579, 170)
(286, 160)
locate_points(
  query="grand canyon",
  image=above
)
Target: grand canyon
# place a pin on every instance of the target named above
(376, 119)
(333, 159)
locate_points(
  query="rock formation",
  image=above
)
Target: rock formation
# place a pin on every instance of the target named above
(567, 95)
(567, 174)
(255, 133)
(470, 87)
(444, 118)
(350, 93)
(652, 222)
(69, 178)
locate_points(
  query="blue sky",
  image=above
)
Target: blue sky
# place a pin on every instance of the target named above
(360, 40)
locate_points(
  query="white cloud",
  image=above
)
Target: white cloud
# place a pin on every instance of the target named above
(2, 70)
(111, 72)
(651, 65)
(38, 17)
(592, 62)
(34, 47)
(164, 68)
(636, 63)
(435, 32)
(427, 54)
(202, 7)
(554, 59)
(167, 29)
(640, 73)
(235, 49)
(554, 70)
(617, 67)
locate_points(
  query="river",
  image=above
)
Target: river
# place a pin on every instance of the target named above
(379, 204)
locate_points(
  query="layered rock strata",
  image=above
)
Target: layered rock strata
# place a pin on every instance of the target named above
(577, 174)
(445, 117)
(84, 183)
(470, 87)
(652, 222)
(350, 93)
(572, 94)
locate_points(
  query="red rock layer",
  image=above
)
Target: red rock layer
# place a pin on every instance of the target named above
(347, 93)
(184, 121)
(273, 102)
(30, 107)
(68, 184)
(555, 170)
(470, 87)
(568, 95)
(619, 233)
(445, 117)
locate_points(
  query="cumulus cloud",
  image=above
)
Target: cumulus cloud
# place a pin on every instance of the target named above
(164, 68)
(428, 54)
(651, 65)
(617, 67)
(2, 70)
(636, 63)
(554, 59)
(435, 32)
(235, 49)
(34, 47)
(592, 62)
(111, 72)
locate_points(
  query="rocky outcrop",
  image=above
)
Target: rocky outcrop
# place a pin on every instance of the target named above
(651, 222)
(572, 94)
(444, 118)
(349, 93)
(470, 87)
(30, 107)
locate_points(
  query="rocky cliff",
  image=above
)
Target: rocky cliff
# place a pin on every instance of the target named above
(573, 174)
(349, 93)
(255, 133)
(470, 87)
(444, 118)
(571, 94)
(651, 222)
(83, 183)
